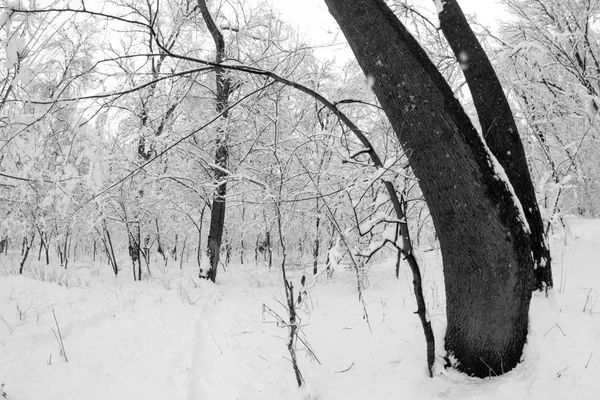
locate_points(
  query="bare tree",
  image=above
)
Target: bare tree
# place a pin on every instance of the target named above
(483, 234)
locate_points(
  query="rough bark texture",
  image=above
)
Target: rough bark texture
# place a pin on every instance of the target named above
(485, 246)
(498, 127)
(224, 89)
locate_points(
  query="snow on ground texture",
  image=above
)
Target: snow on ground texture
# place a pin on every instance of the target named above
(176, 337)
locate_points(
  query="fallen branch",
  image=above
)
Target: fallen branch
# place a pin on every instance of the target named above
(345, 370)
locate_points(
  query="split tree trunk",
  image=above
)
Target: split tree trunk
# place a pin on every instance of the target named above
(498, 127)
(485, 244)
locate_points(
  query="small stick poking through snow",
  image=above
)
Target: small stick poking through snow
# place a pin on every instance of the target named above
(59, 338)
(213, 338)
(345, 370)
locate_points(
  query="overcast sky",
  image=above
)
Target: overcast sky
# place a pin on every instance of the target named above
(312, 17)
(315, 23)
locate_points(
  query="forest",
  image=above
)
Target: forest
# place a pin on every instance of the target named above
(200, 200)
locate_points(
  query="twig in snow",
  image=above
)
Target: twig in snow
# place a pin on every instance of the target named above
(7, 324)
(59, 338)
(588, 361)
(213, 338)
(548, 331)
(345, 370)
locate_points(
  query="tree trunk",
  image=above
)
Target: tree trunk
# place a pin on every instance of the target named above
(242, 233)
(182, 252)
(110, 252)
(483, 237)
(27, 246)
(160, 249)
(41, 245)
(66, 249)
(317, 239)
(498, 127)
(269, 248)
(224, 89)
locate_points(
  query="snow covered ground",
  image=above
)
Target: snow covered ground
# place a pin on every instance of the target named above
(176, 337)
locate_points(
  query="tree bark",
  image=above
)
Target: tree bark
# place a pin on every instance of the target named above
(484, 240)
(498, 127)
(224, 89)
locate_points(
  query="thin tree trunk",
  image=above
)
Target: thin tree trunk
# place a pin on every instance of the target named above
(111, 255)
(41, 245)
(66, 248)
(138, 242)
(317, 239)
(199, 253)
(224, 89)
(27, 245)
(174, 249)
(498, 127)
(182, 252)
(242, 234)
(484, 241)
(269, 248)
(160, 250)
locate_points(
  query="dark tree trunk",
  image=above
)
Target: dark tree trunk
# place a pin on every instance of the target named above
(269, 248)
(110, 252)
(60, 254)
(398, 258)
(485, 244)
(317, 240)
(133, 234)
(224, 89)
(160, 250)
(41, 245)
(227, 253)
(242, 234)
(138, 236)
(27, 246)
(182, 252)
(174, 250)
(256, 249)
(199, 228)
(498, 127)
(66, 249)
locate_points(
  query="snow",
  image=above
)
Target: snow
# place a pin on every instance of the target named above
(174, 336)
(439, 7)
(500, 175)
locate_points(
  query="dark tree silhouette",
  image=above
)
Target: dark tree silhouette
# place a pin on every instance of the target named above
(483, 234)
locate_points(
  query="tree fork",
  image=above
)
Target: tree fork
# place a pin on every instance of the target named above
(498, 127)
(484, 242)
